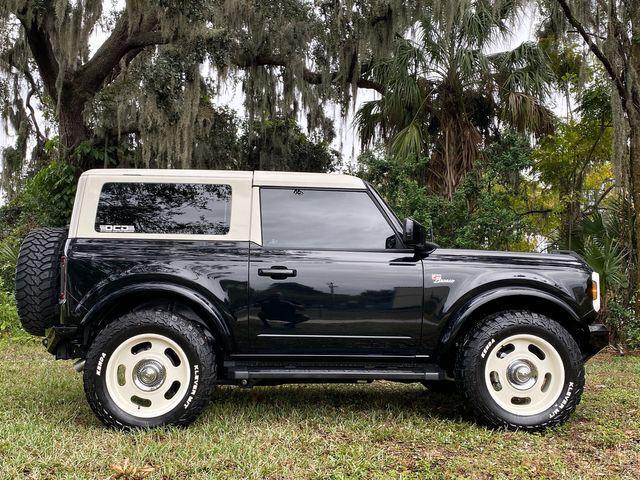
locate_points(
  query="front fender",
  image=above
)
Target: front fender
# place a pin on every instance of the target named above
(211, 316)
(497, 298)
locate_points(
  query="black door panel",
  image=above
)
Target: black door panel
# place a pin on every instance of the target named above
(337, 302)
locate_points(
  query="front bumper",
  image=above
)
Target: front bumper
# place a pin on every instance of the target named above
(598, 339)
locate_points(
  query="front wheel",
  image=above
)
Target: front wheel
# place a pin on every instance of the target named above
(149, 368)
(520, 370)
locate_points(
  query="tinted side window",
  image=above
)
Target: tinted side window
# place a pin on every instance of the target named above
(171, 208)
(298, 218)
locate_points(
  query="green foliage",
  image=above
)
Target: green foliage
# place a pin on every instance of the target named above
(444, 96)
(484, 212)
(97, 154)
(604, 249)
(47, 199)
(9, 248)
(9, 323)
(624, 322)
(574, 169)
(280, 144)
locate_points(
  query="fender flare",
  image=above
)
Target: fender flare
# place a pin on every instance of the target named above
(466, 312)
(208, 312)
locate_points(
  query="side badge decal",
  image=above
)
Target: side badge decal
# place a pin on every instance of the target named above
(437, 278)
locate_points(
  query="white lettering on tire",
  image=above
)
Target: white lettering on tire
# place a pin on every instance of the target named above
(485, 350)
(564, 402)
(194, 388)
(100, 362)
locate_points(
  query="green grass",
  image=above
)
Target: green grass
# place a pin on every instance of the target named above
(381, 431)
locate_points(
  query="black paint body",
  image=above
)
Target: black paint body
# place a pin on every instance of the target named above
(392, 305)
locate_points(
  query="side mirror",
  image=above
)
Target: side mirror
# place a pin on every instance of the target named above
(415, 236)
(414, 233)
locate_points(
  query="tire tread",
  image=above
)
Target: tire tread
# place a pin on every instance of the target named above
(194, 334)
(38, 279)
(481, 334)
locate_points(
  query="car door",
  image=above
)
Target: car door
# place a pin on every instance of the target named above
(329, 278)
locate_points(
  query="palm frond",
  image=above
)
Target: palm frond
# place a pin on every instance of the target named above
(526, 113)
(607, 258)
(9, 253)
(367, 121)
(408, 142)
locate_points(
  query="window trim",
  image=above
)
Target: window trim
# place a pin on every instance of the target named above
(332, 249)
(88, 196)
(228, 208)
(391, 215)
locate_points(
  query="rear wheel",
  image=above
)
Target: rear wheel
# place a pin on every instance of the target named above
(150, 368)
(521, 370)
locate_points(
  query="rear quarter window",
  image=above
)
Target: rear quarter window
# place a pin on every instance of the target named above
(164, 208)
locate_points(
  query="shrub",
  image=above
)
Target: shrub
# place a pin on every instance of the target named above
(47, 199)
(9, 323)
(624, 323)
(9, 248)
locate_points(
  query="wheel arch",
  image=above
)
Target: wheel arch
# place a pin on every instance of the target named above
(469, 315)
(178, 299)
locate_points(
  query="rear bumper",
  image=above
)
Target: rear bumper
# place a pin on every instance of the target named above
(57, 341)
(598, 339)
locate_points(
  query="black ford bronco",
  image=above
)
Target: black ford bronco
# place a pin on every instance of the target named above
(167, 283)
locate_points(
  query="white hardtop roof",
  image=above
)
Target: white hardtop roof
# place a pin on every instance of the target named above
(260, 178)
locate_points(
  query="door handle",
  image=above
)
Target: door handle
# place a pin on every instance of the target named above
(277, 273)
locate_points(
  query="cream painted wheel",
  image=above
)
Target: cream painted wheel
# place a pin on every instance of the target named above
(524, 374)
(147, 375)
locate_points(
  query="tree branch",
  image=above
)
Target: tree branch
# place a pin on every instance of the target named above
(589, 33)
(42, 52)
(311, 77)
(121, 43)
(536, 212)
(592, 209)
(32, 113)
(124, 62)
(594, 48)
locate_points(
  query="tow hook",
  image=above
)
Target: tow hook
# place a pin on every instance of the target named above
(78, 365)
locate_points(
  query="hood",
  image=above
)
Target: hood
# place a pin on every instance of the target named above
(558, 258)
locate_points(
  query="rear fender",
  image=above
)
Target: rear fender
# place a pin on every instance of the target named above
(209, 315)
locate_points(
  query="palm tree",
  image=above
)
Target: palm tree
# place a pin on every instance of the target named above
(600, 242)
(445, 95)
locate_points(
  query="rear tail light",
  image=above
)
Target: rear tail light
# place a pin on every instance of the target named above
(595, 290)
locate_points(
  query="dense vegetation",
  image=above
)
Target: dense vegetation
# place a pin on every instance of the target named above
(461, 135)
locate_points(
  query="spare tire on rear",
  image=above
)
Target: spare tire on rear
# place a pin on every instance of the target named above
(38, 278)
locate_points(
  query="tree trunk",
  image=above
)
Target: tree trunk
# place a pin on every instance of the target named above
(72, 127)
(634, 164)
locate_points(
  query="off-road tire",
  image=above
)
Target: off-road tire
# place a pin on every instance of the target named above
(38, 279)
(192, 338)
(470, 368)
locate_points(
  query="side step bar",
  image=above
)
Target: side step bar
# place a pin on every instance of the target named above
(346, 374)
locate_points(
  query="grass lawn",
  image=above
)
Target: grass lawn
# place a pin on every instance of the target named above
(383, 430)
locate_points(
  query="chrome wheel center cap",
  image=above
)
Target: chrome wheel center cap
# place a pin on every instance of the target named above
(149, 375)
(522, 374)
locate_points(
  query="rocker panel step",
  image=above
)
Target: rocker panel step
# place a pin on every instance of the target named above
(258, 373)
